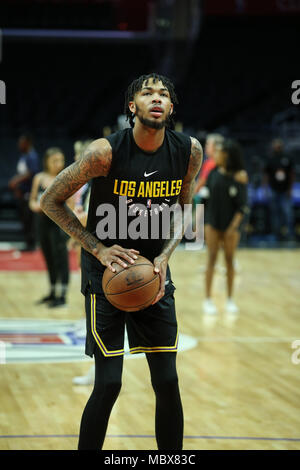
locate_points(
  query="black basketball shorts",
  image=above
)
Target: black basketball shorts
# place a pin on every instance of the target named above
(153, 329)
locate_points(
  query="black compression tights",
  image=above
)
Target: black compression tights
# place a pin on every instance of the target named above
(168, 415)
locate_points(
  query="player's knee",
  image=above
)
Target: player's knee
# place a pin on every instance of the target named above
(166, 387)
(112, 389)
(108, 390)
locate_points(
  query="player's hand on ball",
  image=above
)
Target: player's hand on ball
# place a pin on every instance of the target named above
(160, 267)
(115, 254)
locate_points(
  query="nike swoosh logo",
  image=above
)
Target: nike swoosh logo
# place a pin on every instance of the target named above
(149, 174)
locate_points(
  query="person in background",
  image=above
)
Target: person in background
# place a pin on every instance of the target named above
(225, 195)
(28, 165)
(279, 175)
(53, 240)
(212, 141)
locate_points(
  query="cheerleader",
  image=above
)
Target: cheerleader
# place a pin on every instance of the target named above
(225, 197)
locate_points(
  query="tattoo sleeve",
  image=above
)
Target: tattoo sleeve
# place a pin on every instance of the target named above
(185, 197)
(94, 162)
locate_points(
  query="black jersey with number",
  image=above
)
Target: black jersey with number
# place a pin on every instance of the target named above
(223, 197)
(127, 206)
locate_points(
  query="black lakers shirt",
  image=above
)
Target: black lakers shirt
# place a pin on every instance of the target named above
(129, 206)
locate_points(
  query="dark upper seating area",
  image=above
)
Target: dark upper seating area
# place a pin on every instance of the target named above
(239, 76)
(57, 15)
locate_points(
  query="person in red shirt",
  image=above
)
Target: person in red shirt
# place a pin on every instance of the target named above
(209, 164)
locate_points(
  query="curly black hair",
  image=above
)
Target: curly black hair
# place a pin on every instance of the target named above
(136, 86)
(235, 160)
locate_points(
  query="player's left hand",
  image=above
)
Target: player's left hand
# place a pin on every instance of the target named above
(160, 267)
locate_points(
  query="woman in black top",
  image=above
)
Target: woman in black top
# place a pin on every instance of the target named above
(225, 196)
(53, 240)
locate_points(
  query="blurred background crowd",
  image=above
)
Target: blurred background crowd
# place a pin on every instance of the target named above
(66, 65)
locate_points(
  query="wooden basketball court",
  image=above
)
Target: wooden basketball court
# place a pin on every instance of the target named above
(240, 387)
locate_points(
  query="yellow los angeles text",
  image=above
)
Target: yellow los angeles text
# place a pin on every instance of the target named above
(148, 189)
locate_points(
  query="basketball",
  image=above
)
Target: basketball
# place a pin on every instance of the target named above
(133, 288)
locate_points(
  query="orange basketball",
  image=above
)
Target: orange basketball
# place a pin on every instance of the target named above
(133, 288)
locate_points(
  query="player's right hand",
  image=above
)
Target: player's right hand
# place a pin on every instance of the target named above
(115, 254)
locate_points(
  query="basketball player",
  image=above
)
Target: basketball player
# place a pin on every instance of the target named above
(122, 164)
(225, 207)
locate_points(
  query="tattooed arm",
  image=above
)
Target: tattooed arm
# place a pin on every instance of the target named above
(185, 196)
(95, 161)
(177, 222)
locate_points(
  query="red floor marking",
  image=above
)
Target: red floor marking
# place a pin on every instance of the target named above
(14, 260)
(15, 338)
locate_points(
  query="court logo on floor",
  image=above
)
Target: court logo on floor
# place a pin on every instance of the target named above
(48, 341)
